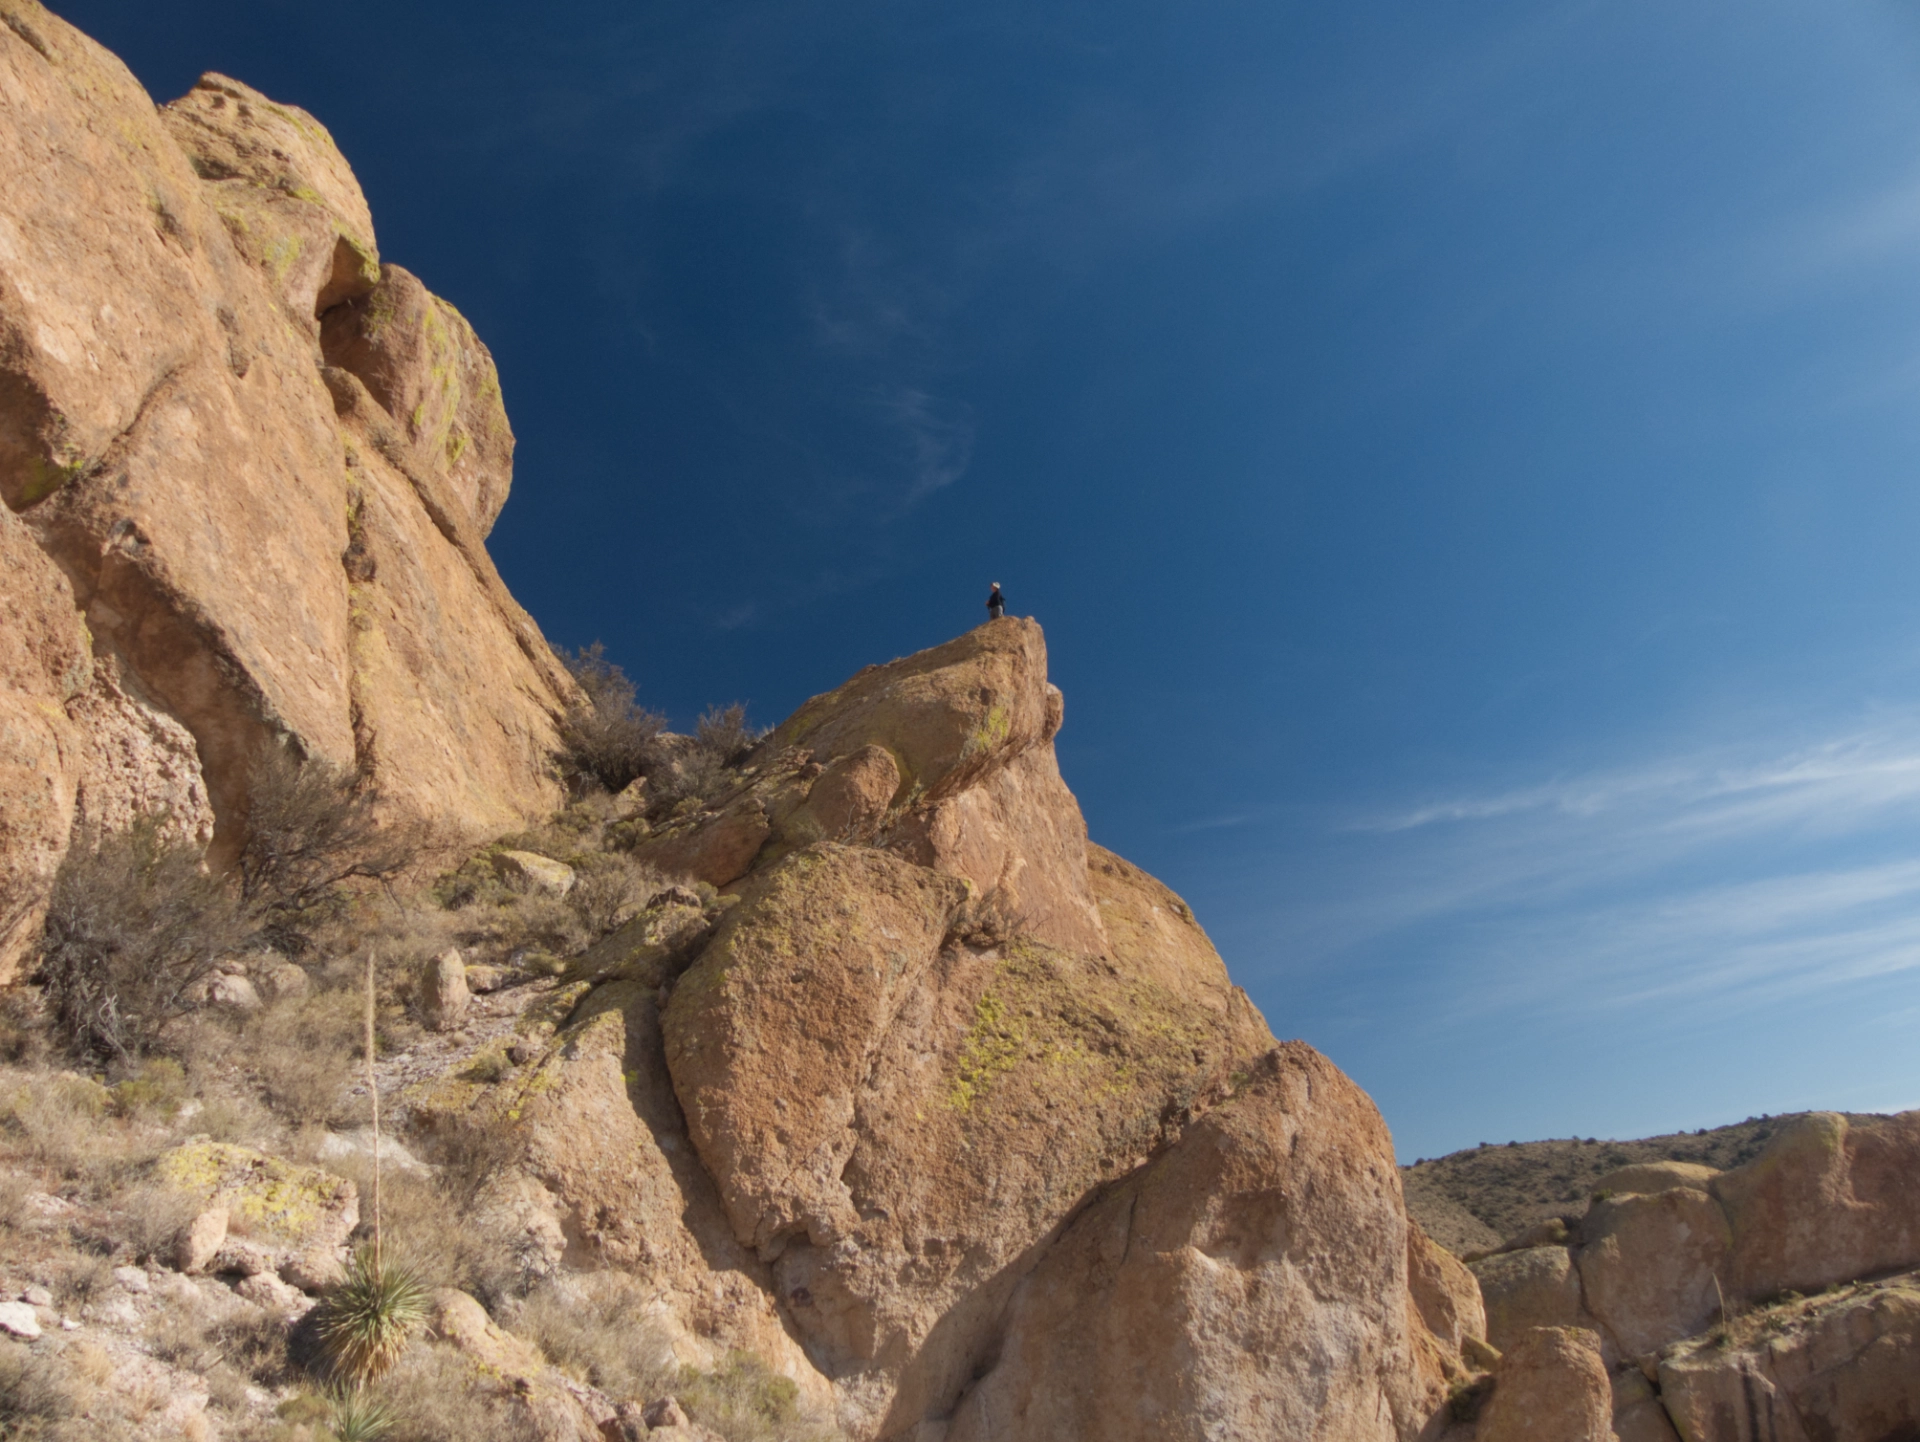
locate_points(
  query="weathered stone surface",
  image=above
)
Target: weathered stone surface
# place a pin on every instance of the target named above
(284, 191)
(264, 1289)
(427, 369)
(272, 1204)
(200, 1240)
(1638, 1415)
(716, 849)
(1841, 1368)
(774, 1030)
(851, 797)
(1536, 1287)
(1265, 1251)
(1828, 1201)
(1653, 1266)
(18, 1319)
(1645, 1177)
(1445, 1291)
(602, 1175)
(969, 728)
(444, 997)
(534, 871)
(170, 437)
(1550, 1386)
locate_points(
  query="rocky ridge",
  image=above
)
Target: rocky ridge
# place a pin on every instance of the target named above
(248, 472)
(897, 1108)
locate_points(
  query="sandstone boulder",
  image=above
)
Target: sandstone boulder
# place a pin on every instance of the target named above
(534, 871)
(1265, 1250)
(1445, 1291)
(444, 997)
(427, 369)
(716, 848)
(200, 1240)
(1529, 1289)
(1638, 1415)
(284, 191)
(1829, 1200)
(1645, 1177)
(1653, 1266)
(1551, 1386)
(237, 562)
(285, 1211)
(1840, 1368)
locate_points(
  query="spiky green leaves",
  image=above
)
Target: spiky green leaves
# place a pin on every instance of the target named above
(365, 1323)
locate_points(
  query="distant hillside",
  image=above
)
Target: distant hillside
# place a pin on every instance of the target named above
(1476, 1199)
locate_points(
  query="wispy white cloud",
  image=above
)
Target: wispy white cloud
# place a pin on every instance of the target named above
(1723, 879)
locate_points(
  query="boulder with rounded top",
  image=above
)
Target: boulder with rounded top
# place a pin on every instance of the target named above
(1653, 1269)
(1265, 1251)
(1829, 1200)
(1646, 1177)
(1550, 1386)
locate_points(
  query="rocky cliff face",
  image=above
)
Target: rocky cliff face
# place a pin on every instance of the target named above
(964, 1109)
(247, 475)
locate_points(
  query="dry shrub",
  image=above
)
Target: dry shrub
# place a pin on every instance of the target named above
(309, 832)
(37, 1391)
(437, 1395)
(609, 891)
(134, 926)
(744, 1400)
(150, 1219)
(301, 1053)
(606, 739)
(59, 1121)
(723, 732)
(600, 1334)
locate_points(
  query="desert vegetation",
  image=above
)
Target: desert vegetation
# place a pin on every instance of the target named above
(176, 1005)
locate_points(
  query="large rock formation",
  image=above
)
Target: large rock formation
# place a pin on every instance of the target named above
(247, 472)
(964, 1111)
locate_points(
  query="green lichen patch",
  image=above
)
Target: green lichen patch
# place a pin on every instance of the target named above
(266, 1196)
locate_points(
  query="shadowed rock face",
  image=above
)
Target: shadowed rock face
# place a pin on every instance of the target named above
(227, 555)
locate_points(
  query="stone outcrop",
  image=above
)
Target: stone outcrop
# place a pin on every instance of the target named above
(1551, 1386)
(213, 551)
(1840, 1368)
(877, 1109)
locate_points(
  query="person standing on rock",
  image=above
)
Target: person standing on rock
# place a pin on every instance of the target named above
(996, 603)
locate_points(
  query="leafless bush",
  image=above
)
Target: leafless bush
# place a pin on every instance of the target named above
(723, 732)
(133, 928)
(309, 831)
(608, 738)
(39, 1389)
(609, 889)
(300, 1053)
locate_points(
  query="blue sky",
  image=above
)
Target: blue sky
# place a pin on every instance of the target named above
(1463, 457)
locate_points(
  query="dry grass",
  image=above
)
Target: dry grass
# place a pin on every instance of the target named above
(600, 1336)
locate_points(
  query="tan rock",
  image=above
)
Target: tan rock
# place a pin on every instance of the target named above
(717, 849)
(444, 997)
(851, 798)
(1653, 1266)
(1265, 1250)
(1445, 1291)
(603, 1176)
(1551, 1386)
(200, 1239)
(534, 871)
(1829, 1200)
(427, 369)
(286, 194)
(264, 1289)
(1841, 1368)
(282, 980)
(280, 1209)
(1638, 1415)
(1647, 1177)
(1525, 1290)
(969, 727)
(665, 1412)
(182, 462)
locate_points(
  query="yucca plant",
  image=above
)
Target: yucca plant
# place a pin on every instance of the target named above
(366, 1322)
(359, 1417)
